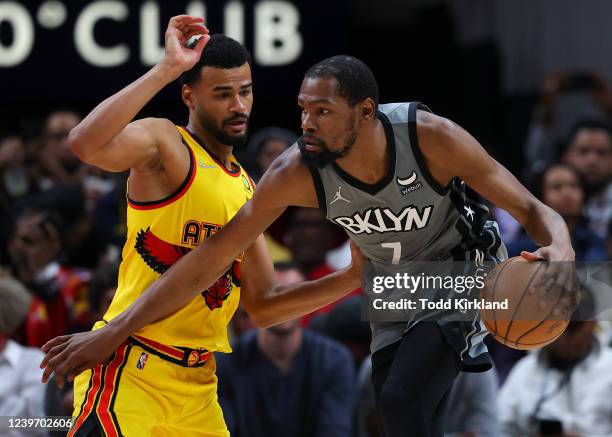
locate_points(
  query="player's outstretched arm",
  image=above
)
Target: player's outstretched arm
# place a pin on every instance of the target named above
(451, 151)
(269, 303)
(106, 138)
(286, 183)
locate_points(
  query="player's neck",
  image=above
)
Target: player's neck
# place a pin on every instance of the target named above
(368, 160)
(221, 152)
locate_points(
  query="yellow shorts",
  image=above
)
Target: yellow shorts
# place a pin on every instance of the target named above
(149, 389)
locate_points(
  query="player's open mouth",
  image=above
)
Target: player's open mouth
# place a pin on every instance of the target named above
(238, 126)
(313, 148)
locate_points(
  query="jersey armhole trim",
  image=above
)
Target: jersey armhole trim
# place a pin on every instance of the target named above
(416, 149)
(318, 183)
(153, 204)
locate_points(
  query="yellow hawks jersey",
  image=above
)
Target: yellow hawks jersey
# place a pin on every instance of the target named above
(161, 232)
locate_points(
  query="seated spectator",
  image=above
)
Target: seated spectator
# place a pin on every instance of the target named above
(59, 291)
(21, 392)
(102, 288)
(559, 187)
(563, 388)
(309, 237)
(60, 165)
(283, 381)
(470, 410)
(589, 151)
(265, 146)
(566, 98)
(84, 245)
(345, 324)
(16, 182)
(262, 149)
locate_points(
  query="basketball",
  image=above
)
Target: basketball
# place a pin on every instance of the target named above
(525, 322)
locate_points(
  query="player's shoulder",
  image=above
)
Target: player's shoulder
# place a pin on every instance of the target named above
(161, 130)
(155, 124)
(289, 165)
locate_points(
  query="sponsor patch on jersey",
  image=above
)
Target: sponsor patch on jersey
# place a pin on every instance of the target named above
(409, 184)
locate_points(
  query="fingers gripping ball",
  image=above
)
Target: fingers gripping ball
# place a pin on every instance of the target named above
(536, 314)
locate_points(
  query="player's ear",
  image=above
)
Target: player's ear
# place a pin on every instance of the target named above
(367, 109)
(187, 95)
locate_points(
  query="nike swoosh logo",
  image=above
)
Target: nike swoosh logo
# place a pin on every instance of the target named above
(201, 164)
(407, 181)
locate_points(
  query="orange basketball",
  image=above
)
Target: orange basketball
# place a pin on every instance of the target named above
(523, 322)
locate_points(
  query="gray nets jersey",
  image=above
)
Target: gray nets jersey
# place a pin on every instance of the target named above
(408, 217)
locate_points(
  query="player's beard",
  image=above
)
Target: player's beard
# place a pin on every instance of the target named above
(326, 156)
(211, 126)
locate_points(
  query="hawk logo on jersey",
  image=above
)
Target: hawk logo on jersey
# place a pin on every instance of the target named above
(409, 184)
(160, 255)
(382, 220)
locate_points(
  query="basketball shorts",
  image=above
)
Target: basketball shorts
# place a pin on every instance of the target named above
(149, 389)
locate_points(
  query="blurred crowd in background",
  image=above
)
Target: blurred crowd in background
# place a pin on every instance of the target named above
(62, 229)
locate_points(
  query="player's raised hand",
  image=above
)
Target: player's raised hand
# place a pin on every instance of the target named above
(180, 30)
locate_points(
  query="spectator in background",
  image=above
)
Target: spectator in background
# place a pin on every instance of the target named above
(559, 187)
(21, 392)
(563, 389)
(60, 291)
(16, 181)
(84, 245)
(102, 288)
(266, 145)
(241, 323)
(470, 405)
(589, 151)
(309, 237)
(283, 381)
(60, 165)
(345, 325)
(565, 99)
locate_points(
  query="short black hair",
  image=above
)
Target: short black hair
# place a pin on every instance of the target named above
(587, 123)
(220, 52)
(356, 82)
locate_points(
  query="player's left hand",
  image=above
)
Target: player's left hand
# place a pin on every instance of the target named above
(559, 275)
(69, 355)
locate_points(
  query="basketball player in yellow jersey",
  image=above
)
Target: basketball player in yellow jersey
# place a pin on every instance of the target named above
(184, 186)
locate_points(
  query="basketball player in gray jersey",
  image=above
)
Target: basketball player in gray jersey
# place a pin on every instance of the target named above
(393, 176)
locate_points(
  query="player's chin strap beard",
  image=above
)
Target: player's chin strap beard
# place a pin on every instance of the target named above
(320, 160)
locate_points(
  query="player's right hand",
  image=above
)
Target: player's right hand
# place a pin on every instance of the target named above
(180, 30)
(69, 355)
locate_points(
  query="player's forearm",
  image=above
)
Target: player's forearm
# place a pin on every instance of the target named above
(173, 290)
(545, 226)
(287, 302)
(107, 119)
